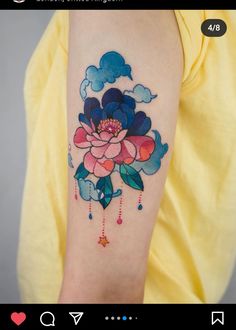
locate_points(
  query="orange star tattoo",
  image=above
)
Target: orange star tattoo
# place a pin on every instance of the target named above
(103, 241)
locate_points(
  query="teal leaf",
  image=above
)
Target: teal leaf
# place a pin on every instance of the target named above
(106, 189)
(131, 177)
(81, 172)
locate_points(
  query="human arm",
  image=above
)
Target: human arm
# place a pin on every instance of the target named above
(148, 42)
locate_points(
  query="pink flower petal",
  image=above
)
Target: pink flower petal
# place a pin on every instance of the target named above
(98, 143)
(87, 128)
(119, 137)
(80, 138)
(103, 167)
(145, 146)
(95, 142)
(99, 167)
(113, 150)
(105, 136)
(91, 138)
(99, 152)
(89, 162)
(96, 135)
(127, 154)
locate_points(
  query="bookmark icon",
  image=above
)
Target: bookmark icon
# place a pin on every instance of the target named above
(76, 316)
(217, 317)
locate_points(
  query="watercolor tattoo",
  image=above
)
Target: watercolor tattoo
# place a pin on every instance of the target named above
(116, 137)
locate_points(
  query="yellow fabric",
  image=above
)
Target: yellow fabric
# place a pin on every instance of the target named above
(193, 247)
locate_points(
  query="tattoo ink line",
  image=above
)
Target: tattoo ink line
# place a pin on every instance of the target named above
(75, 190)
(90, 203)
(140, 205)
(103, 239)
(119, 219)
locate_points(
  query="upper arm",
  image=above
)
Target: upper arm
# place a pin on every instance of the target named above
(138, 53)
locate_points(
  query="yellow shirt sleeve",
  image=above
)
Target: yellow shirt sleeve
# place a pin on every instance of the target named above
(193, 42)
(193, 247)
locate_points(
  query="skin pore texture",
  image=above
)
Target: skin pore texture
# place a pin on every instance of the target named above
(124, 76)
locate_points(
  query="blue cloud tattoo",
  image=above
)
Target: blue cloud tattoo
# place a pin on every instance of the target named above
(70, 160)
(141, 94)
(111, 66)
(152, 165)
(89, 192)
(85, 83)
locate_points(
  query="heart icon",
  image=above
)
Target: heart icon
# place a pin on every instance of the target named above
(18, 318)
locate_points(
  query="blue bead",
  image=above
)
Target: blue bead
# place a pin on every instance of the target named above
(140, 207)
(90, 216)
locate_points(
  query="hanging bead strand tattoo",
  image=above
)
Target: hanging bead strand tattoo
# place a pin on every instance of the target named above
(103, 239)
(119, 219)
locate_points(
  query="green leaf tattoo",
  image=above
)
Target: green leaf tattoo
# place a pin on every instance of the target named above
(81, 172)
(131, 177)
(106, 189)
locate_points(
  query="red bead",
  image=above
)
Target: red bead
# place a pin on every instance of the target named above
(119, 221)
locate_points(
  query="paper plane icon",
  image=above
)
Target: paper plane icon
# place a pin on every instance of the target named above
(76, 316)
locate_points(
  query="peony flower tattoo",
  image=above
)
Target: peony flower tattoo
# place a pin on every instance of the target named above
(113, 132)
(115, 137)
